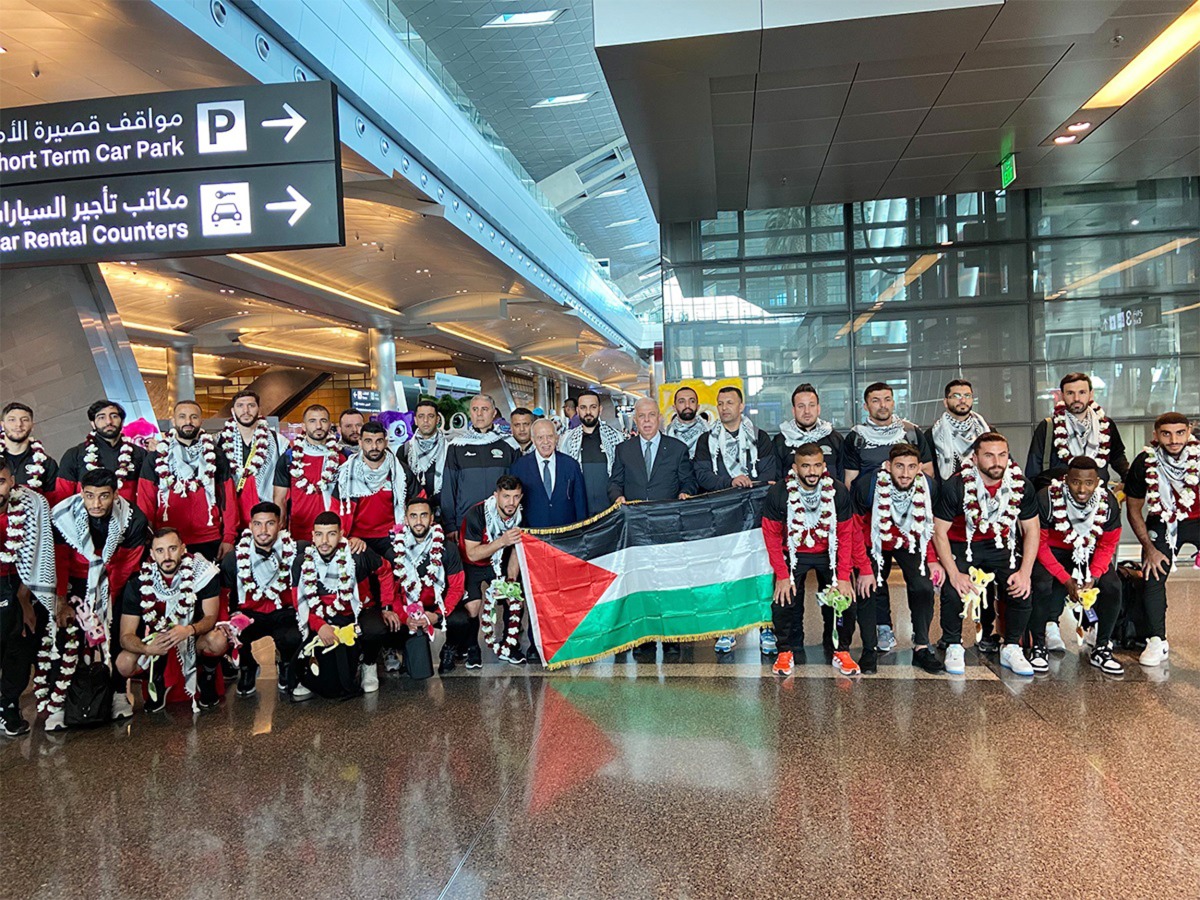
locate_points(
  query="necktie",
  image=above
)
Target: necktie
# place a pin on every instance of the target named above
(546, 478)
(649, 461)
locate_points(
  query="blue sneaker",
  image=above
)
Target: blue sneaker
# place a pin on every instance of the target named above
(885, 638)
(726, 643)
(766, 642)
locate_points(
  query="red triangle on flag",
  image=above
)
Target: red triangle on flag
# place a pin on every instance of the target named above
(565, 588)
(568, 751)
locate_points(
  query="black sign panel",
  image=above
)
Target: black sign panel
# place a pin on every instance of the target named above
(204, 129)
(195, 213)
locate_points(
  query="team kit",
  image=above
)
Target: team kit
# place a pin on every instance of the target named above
(158, 567)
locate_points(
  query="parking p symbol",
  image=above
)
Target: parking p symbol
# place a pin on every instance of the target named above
(221, 126)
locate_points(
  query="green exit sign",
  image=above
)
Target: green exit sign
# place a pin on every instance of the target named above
(1008, 170)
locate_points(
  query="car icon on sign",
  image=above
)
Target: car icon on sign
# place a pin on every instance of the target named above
(226, 211)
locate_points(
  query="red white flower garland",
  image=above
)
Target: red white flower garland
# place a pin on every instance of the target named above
(272, 591)
(341, 602)
(35, 469)
(91, 458)
(1094, 516)
(205, 479)
(50, 700)
(1173, 505)
(412, 586)
(259, 450)
(886, 532)
(999, 521)
(150, 579)
(329, 468)
(1062, 436)
(800, 535)
(15, 537)
(508, 593)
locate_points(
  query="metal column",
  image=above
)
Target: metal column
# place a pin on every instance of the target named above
(181, 375)
(383, 367)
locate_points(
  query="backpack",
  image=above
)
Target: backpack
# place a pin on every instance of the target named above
(1132, 626)
(89, 697)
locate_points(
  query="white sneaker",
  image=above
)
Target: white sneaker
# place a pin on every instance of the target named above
(1039, 659)
(370, 678)
(300, 692)
(956, 660)
(1012, 657)
(1054, 639)
(121, 707)
(55, 722)
(1155, 653)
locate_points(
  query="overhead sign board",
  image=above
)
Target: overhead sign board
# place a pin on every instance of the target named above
(1008, 170)
(365, 400)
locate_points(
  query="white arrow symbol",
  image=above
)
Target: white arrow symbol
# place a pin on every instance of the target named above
(294, 122)
(298, 204)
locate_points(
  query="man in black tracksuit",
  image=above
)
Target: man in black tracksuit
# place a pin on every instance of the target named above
(474, 461)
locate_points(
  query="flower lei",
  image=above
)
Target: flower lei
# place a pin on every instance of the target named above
(258, 450)
(1083, 542)
(272, 591)
(15, 537)
(50, 700)
(151, 584)
(1062, 437)
(885, 530)
(490, 616)
(1172, 505)
(342, 602)
(413, 586)
(167, 480)
(36, 467)
(800, 533)
(91, 458)
(329, 468)
(999, 521)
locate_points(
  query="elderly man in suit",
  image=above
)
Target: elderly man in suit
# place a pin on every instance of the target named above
(651, 465)
(555, 494)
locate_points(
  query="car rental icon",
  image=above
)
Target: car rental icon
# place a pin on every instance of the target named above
(226, 211)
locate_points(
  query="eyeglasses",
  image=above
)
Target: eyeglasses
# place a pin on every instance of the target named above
(962, 396)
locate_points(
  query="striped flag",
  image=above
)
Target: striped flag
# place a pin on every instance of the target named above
(676, 570)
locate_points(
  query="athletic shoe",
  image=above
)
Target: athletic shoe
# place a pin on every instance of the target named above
(726, 643)
(988, 644)
(391, 661)
(927, 660)
(513, 657)
(11, 722)
(1039, 658)
(1103, 660)
(370, 677)
(645, 653)
(446, 662)
(672, 651)
(247, 676)
(300, 693)
(532, 656)
(1012, 657)
(783, 664)
(1054, 639)
(885, 638)
(956, 659)
(56, 721)
(767, 643)
(207, 679)
(1156, 652)
(228, 669)
(121, 707)
(474, 657)
(844, 663)
(868, 662)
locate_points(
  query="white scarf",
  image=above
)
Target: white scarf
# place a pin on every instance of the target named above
(1073, 437)
(984, 513)
(1080, 526)
(356, 480)
(337, 576)
(178, 598)
(496, 525)
(881, 435)
(903, 518)
(572, 443)
(425, 453)
(260, 464)
(1172, 501)
(738, 451)
(796, 435)
(70, 518)
(29, 544)
(409, 554)
(953, 439)
(183, 469)
(328, 453)
(811, 517)
(264, 578)
(688, 432)
(471, 437)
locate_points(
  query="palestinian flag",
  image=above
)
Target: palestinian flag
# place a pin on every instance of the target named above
(676, 570)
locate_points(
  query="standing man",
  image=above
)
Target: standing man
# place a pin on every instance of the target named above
(490, 530)
(27, 584)
(350, 423)
(475, 459)
(425, 454)
(185, 484)
(372, 487)
(687, 426)
(978, 516)
(954, 433)
(104, 448)
(808, 526)
(306, 474)
(1163, 494)
(1080, 532)
(31, 465)
(807, 427)
(552, 483)
(1078, 427)
(651, 465)
(593, 444)
(521, 423)
(252, 451)
(570, 408)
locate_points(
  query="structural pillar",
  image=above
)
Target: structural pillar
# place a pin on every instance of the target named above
(383, 367)
(541, 393)
(181, 375)
(562, 393)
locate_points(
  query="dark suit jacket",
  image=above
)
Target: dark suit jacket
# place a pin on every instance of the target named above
(569, 503)
(673, 474)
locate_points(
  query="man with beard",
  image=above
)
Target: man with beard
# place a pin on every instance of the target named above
(521, 425)
(427, 571)
(185, 484)
(104, 448)
(954, 433)
(807, 427)
(474, 460)
(425, 453)
(592, 444)
(1163, 494)
(1080, 532)
(31, 465)
(687, 425)
(171, 605)
(27, 583)
(1078, 427)
(372, 488)
(978, 515)
(252, 450)
(808, 526)
(99, 541)
(259, 580)
(334, 591)
(350, 423)
(306, 474)
(894, 513)
(490, 531)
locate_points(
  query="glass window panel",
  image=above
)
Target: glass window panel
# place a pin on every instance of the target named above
(1125, 266)
(898, 222)
(783, 345)
(798, 284)
(897, 338)
(1080, 209)
(1112, 328)
(1001, 392)
(941, 277)
(772, 402)
(793, 230)
(1128, 388)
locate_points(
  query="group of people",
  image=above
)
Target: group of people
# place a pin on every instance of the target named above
(166, 563)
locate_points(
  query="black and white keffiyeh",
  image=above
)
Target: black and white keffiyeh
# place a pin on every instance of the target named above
(688, 432)
(409, 555)
(183, 469)
(1086, 436)
(572, 443)
(167, 603)
(29, 543)
(495, 525)
(796, 435)
(264, 577)
(811, 517)
(70, 519)
(423, 454)
(264, 453)
(993, 515)
(335, 578)
(1172, 483)
(737, 450)
(901, 519)
(356, 479)
(471, 437)
(874, 435)
(1081, 525)
(330, 457)
(953, 438)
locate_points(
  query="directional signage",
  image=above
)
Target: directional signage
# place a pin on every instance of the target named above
(205, 129)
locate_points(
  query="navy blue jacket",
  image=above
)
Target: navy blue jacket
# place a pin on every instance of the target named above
(569, 503)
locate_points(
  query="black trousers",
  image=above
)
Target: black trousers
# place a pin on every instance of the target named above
(333, 674)
(1156, 588)
(374, 635)
(207, 549)
(920, 594)
(77, 587)
(788, 621)
(1050, 597)
(989, 558)
(18, 651)
(462, 629)
(279, 625)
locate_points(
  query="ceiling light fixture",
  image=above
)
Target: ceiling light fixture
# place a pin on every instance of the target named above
(472, 337)
(1177, 40)
(613, 192)
(299, 354)
(293, 276)
(523, 19)
(623, 222)
(156, 329)
(559, 367)
(1079, 126)
(564, 100)
(638, 245)
(1065, 139)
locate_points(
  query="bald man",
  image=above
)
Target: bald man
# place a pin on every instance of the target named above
(554, 494)
(651, 465)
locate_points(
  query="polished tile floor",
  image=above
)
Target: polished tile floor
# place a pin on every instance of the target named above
(691, 779)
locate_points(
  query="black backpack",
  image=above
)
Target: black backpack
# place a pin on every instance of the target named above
(89, 697)
(1132, 626)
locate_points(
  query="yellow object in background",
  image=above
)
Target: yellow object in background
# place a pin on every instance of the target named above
(706, 392)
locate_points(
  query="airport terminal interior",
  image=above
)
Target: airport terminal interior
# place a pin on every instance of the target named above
(647, 308)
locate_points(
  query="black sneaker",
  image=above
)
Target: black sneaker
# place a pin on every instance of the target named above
(1039, 658)
(645, 653)
(446, 663)
(11, 722)
(532, 656)
(514, 657)
(474, 657)
(868, 662)
(228, 669)
(283, 677)
(1102, 659)
(927, 660)
(672, 651)
(247, 676)
(206, 679)
(157, 701)
(988, 644)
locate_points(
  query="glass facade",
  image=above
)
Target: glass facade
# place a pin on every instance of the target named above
(1010, 290)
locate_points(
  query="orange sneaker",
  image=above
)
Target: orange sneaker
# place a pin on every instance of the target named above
(783, 663)
(844, 663)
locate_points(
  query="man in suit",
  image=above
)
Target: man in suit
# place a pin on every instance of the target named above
(554, 492)
(651, 465)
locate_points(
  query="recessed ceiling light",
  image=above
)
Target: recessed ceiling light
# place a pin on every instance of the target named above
(1178, 39)
(1079, 126)
(1066, 139)
(524, 19)
(637, 245)
(564, 100)
(1135, 221)
(614, 192)
(624, 222)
